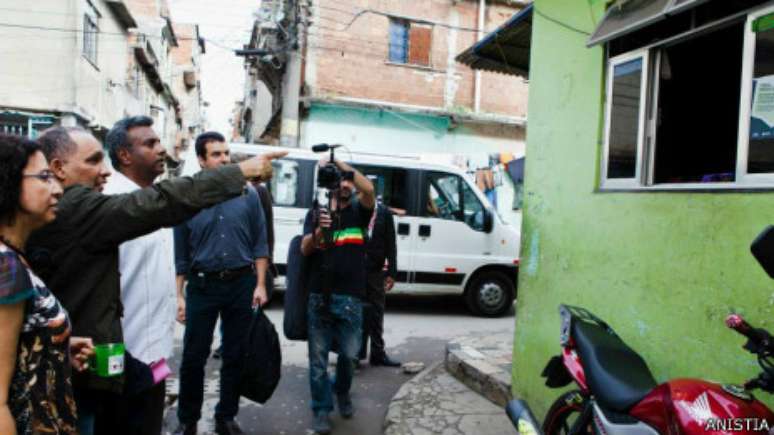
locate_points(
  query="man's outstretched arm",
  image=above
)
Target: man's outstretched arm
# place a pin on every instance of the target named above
(113, 219)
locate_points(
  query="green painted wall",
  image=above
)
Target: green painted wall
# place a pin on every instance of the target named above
(663, 269)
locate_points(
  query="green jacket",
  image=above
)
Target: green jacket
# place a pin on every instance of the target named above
(77, 254)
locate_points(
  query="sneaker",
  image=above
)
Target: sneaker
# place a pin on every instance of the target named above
(345, 405)
(322, 424)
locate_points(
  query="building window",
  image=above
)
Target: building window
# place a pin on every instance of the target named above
(410, 42)
(697, 112)
(90, 33)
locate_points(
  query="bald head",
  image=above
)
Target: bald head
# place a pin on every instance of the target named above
(75, 156)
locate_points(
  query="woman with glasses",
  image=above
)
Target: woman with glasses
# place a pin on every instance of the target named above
(36, 350)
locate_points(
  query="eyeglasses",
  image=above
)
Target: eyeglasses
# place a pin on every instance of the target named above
(46, 176)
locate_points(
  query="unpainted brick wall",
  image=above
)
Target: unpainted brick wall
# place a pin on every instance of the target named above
(353, 62)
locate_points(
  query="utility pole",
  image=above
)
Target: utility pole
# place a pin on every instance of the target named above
(291, 81)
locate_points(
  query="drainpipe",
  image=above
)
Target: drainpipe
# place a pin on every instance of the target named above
(477, 73)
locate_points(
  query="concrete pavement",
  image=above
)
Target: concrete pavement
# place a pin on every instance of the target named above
(463, 395)
(416, 329)
(437, 403)
(483, 363)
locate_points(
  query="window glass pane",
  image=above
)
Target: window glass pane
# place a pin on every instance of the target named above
(624, 120)
(398, 41)
(284, 183)
(473, 209)
(390, 186)
(761, 154)
(444, 197)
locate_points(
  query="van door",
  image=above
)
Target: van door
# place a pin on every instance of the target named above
(292, 190)
(451, 240)
(391, 186)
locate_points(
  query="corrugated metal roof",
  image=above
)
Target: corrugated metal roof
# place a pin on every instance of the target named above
(506, 49)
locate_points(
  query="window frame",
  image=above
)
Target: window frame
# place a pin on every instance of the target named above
(90, 26)
(743, 178)
(617, 183)
(408, 24)
(644, 172)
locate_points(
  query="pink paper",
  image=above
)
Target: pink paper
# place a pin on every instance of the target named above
(160, 370)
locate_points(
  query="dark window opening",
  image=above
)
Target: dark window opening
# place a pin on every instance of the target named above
(390, 186)
(698, 108)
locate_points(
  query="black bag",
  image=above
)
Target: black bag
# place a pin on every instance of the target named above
(262, 359)
(294, 323)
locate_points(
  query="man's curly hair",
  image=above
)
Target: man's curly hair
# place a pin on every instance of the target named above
(15, 152)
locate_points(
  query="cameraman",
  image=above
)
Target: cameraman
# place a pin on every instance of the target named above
(334, 241)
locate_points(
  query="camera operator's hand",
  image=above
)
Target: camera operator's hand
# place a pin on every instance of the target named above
(260, 166)
(324, 222)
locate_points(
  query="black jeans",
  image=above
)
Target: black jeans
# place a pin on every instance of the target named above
(145, 411)
(206, 298)
(373, 317)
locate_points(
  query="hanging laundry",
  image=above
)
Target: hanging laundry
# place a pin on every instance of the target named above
(516, 170)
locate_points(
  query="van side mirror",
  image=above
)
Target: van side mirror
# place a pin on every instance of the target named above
(762, 249)
(488, 221)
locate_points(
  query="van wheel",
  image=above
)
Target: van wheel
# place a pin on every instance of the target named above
(490, 294)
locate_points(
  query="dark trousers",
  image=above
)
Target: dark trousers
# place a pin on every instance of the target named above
(146, 410)
(373, 317)
(206, 298)
(106, 413)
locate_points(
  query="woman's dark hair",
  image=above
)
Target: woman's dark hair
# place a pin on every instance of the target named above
(15, 152)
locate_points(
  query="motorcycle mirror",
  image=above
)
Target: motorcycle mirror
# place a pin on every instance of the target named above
(762, 249)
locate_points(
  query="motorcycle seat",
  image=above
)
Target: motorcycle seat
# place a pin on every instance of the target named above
(616, 375)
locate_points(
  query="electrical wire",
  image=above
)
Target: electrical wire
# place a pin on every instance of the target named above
(560, 23)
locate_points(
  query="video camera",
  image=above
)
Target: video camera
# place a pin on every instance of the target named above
(329, 175)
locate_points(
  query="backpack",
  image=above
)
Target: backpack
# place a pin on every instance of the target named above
(261, 360)
(294, 322)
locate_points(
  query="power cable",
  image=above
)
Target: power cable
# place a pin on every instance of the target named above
(560, 23)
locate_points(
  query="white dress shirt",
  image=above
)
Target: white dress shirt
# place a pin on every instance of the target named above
(147, 266)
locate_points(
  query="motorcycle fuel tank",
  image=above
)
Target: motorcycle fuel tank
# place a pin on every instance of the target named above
(692, 406)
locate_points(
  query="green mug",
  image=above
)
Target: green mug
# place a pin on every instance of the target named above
(108, 360)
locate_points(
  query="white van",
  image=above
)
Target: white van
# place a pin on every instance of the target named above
(449, 238)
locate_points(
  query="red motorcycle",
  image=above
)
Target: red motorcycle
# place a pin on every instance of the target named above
(617, 393)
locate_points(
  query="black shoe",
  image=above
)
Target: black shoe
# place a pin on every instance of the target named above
(322, 424)
(185, 429)
(357, 364)
(346, 409)
(227, 428)
(218, 354)
(384, 361)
